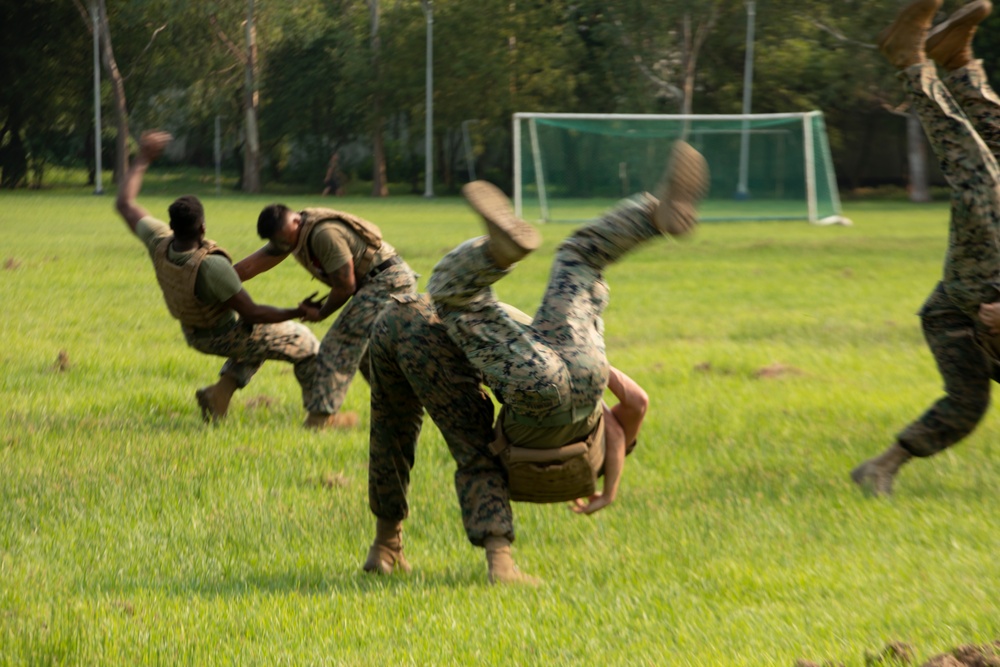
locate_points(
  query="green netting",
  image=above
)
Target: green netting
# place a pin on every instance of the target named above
(573, 166)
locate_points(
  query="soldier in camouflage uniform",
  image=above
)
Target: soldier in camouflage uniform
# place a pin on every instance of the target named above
(203, 291)
(347, 254)
(549, 374)
(961, 117)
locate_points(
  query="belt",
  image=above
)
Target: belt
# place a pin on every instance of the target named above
(392, 261)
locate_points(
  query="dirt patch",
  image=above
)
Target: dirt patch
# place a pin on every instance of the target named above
(10, 264)
(62, 363)
(261, 402)
(776, 370)
(896, 654)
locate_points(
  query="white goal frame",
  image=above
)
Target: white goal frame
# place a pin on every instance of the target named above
(809, 156)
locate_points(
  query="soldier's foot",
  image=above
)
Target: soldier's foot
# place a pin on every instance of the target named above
(902, 42)
(322, 420)
(386, 553)
(949, 44)
(875, 476)
(684, 183)
(500, 565)
(511, 238)
(214, 399)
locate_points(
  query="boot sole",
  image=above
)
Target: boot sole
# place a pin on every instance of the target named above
(967, 14)
(906, 17)
(684, 184)
(492, 204)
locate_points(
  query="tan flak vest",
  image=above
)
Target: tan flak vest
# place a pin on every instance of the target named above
(177, 283)
(551, 475)
(370, 234)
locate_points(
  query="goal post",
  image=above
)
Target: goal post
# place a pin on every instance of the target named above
(570, 167)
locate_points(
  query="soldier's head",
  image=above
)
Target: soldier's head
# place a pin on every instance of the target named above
(280, 225)
(187, 218)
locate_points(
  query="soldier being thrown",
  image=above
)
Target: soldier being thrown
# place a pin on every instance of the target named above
(347, 254)
(202, 290)
(961, 318)
(550, 375)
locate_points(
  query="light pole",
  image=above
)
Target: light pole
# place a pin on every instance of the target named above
(742, 192)
(428, 6)
(98, 178)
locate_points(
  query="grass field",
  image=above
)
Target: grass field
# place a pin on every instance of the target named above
(776, 355)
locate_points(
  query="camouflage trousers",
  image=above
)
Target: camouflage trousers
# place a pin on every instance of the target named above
(415, 365)
(345, 345)
(248, 346)
(556, 369)
(961, 117)
(963, 127)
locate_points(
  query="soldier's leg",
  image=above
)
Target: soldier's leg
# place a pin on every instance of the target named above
(396, 419)
(450, 389)
(248, 346)
(966, 370)
(972, 265)
(521, 372)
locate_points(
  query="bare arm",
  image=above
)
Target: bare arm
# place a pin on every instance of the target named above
(256, 313)
(342, 289)
(632, 403)
(256, 263)
(621, 426)
(151, 144)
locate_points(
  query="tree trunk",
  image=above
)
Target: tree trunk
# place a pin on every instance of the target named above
(380, 186)
(251, 151)
(118, 95)
(916, 155)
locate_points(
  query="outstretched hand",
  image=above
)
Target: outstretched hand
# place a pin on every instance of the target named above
(311, 308)
(591, 504)
(989, 314)
(152, 143)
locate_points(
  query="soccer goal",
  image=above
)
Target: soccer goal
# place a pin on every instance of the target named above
(570, 167)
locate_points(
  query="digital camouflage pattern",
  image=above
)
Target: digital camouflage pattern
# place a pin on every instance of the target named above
(556, 366)
(248, 346)
(415, 365)
(963, 127)
(346, 341)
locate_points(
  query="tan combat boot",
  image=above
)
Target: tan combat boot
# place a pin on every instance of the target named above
(322, 420)
(949, 44)
(875, 475)
(511, 239)
(214, 399)
(500, 564)
(902, 43)
(684, 183)
(386, 554)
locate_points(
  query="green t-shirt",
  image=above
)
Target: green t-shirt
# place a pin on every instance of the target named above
(217, 281)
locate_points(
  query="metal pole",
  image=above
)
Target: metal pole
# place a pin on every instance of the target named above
(429, 126)
(741, 189)
(98, 168)
(218, 155)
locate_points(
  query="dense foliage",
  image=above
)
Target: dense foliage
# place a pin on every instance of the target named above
(330, 72)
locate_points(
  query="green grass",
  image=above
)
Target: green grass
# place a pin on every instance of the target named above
(132, 534)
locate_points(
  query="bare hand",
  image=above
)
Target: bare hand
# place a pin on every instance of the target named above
(310, 310)
(989, 314)
(591, 504)
(152, 143)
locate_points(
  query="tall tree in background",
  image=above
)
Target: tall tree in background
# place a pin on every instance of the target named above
(380, 186)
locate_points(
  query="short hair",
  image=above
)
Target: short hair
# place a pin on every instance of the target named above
(186, 216)
(271, 219)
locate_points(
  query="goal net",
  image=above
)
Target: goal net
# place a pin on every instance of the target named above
(571, 167)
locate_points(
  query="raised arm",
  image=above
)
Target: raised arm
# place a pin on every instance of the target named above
(621, 427)
(151, 144)
(258, 262)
